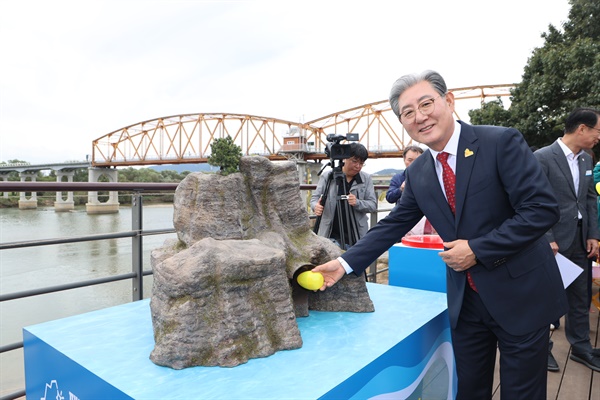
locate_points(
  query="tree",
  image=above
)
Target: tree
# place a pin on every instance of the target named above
(171, 176)
(491, 113)
(148, 175)
(225, 154)
(561, 75)
(81, 175)
(128, 174)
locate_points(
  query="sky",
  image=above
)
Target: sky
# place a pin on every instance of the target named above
(73, 71)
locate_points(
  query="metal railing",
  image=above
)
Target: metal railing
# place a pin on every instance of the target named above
(136, 233)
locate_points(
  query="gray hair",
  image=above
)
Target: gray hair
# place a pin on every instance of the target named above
(408, 81)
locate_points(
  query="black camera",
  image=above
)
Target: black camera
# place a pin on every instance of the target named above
(337, 151)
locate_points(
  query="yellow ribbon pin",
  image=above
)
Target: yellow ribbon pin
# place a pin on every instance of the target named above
(468, 153)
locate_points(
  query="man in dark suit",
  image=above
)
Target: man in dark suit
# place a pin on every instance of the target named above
(575, 236)
(491, 204)
(394, 192)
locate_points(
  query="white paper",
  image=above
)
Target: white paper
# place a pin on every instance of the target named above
(568, 269)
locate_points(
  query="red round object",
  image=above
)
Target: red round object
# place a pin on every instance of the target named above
(423, 241)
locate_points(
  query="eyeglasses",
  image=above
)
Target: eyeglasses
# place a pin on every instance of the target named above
(591, 127)
(357, 161)
(426, 107)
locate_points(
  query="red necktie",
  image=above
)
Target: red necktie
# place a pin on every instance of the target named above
(449, 186)
(449, 180)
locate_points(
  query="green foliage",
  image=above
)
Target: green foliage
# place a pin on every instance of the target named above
(12, 201)
(225, 154)
(490, 113)
(561, 75)
(13, 176)
(150, 175)
(81, 175)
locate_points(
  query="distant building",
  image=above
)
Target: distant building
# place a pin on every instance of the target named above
(294, 144)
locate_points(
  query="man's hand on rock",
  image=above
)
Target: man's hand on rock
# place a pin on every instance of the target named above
(332, 272)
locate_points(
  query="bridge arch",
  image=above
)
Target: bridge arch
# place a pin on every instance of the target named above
(186, 138)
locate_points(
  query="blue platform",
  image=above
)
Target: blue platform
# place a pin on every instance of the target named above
(400, 351)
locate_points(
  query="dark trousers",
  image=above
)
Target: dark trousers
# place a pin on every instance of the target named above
(523, 359)
(577, 320)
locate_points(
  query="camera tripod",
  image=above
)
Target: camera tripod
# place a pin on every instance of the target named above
(344, 212)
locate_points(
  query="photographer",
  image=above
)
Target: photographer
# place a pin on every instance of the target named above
(361, 198)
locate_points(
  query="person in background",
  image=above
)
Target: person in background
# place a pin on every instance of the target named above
(397, 183)
(569, 170)
(596, 181)
(410, 154)
(489, 200)
(361, 198)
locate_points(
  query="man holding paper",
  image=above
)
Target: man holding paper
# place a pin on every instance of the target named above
(575, 236)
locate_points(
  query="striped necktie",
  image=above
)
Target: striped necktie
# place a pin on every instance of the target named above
(449, 186)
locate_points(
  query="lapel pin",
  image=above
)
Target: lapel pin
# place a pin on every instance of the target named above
(468, 153)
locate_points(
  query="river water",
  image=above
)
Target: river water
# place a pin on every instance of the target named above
(34, 267)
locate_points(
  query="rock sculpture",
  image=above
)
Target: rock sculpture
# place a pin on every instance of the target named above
(224, 291)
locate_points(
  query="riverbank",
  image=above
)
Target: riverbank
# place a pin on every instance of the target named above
(82, 199)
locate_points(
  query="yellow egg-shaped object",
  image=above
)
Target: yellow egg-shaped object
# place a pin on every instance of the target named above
(310, 280)
(598, 187)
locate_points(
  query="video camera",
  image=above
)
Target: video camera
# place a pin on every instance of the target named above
(337, 151)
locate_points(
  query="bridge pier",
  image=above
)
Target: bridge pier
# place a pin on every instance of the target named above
(4, 179)
(61, 205)
(31, 202)
(94, 206)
